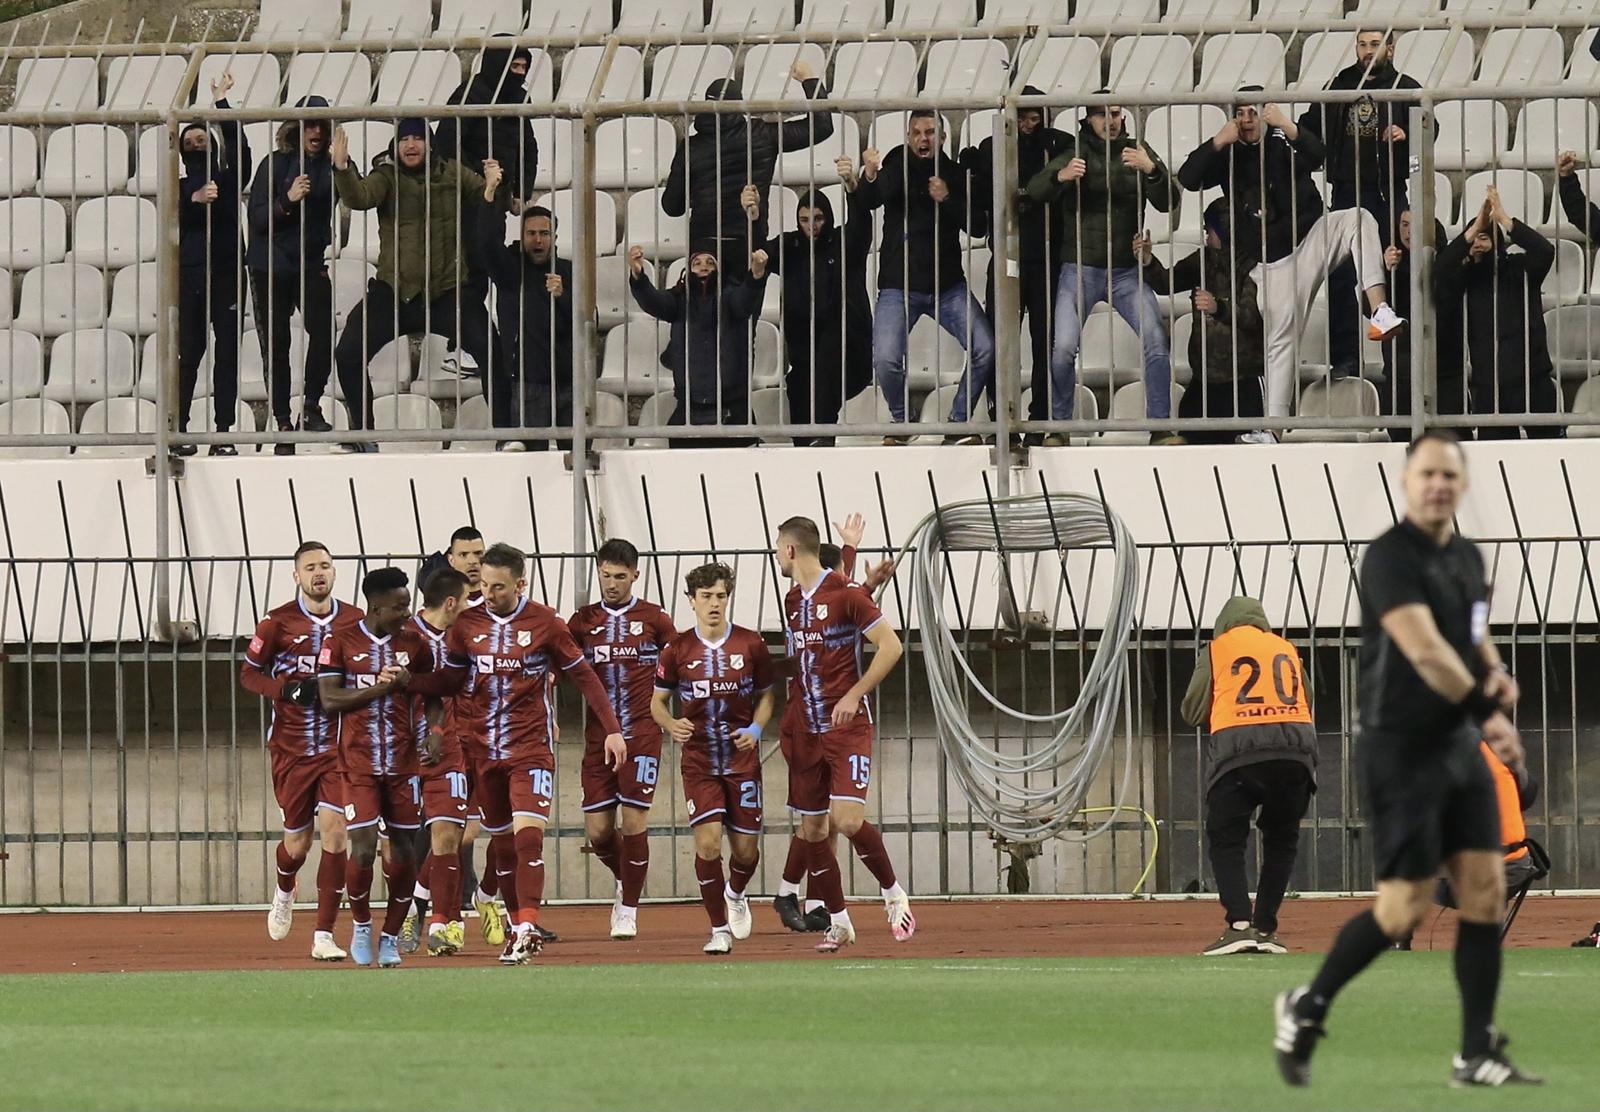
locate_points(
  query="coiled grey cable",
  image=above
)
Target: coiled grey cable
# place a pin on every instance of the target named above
(1027, 797)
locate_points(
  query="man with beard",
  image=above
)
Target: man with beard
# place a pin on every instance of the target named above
(418, 197)
(534, 307)
(1038, 237)
(727, 152)
(291, 225)
(827, 318)
(1369, 156)
(923, 194)
(209, 254)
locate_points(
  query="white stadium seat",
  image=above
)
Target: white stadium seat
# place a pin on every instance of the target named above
(1472, 134)
(203, 419)
(459, 18)
(436, 380)
(875, 68)
(389, 368)
(933, 356)
(605, 218)
(362, 240)
(473, 413)
(89, 364)
(975, 68)
(624, 80)
(1066, 66)
(1323, 54)
(1023, 13)
(256, 78)
(570, 17)
(684, 72)
(800, 168)
(1581, 63)
(21, 364)
(1421, 55)
(61, 297)
(84, 160)
(1152, 62)
(252, 372)
(1109, 12)
(1521, 192)
(769, 406)
(303, 20)
(661, 236)
(150, 371)
(827, 16)
(1486, 7)
(1128, 404)
(1201, 11)
(656, 410)
(766, 356)
(24, 416)
(33, 230)
(1574, 335)
(1110, 352)
(148, 156)
(114, 415)
(56, 85)
(349, 277)
(114, 232)
(868, 407)
(342, 79)
(1344, 397)
(414, 77)
(1374, 10)
(633, 152)
(1547, 127)
(1228, 61)
(1586, 402)
(1566, 282)
(134, 304)
(661, 16)
(754, 17)
(19, 160)
(613, 301)
(631, 364)
(1297, 10)
(927, 15)
(147, 81)
(1520, 56)
(767, 65)
(367, 138)
(1173, 132)
(385, 20)
(554, 137)
(936, 405)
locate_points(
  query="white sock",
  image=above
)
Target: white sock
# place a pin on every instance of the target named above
(386, 934)
(420, 892)
(812, 905)
(322, 936)
(482, 897)
(729, 894)
(787, 889)
(841, 919)
(893, 892)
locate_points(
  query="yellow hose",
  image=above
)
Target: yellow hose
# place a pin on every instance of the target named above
(1155, 837)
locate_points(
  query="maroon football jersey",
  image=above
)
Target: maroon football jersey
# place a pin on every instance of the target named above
(439, 654)
(717, 685)
(825, 629)
(624, 646)
(286, 645)
(380, 738)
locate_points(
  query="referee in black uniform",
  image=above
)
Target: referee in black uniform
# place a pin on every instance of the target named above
(1431, 685)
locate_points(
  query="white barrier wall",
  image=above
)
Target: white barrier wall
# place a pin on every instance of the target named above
(1183, 506)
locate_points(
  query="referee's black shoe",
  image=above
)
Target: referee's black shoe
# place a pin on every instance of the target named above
(1489, 1070)
(1294, 1039)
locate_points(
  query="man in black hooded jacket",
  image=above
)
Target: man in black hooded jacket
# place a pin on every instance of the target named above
(209, 258)
(291, 225)
(1038, 237)
(827, 316)
(727, 152)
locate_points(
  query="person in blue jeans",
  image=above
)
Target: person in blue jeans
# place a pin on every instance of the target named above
(923, 195)
(1100, 184)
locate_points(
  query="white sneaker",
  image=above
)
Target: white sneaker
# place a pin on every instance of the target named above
(721, 942)
(1385, 322)
(740, 920)
(836, 938)
(324, 948)
(1260, 436)
(280, 916)
(902, 924)
(624, 923)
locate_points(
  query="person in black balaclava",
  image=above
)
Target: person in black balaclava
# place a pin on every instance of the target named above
(1038, 237)
(727, 152)
(291, 224)
(209, 254)
(708, 347)
(827, 316)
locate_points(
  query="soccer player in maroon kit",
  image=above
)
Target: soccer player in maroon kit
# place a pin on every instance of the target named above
(722, 677)
(362, 672)
(830, 765)
(501, 655)
(622, 638)
(281, 665)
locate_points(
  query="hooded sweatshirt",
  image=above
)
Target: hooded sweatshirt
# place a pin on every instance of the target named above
(708, 348)
(722, 155)
(1102, 211)
(285, 234)
(1038, 224)
(1353, 132)
(1244, 745)
(210, 232)
(1504, 306)
(507, 139)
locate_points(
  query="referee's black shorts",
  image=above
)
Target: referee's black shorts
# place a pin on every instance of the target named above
(1426, 799)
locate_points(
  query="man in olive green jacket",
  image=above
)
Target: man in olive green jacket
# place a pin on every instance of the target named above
(419, 199)
(1100, 184)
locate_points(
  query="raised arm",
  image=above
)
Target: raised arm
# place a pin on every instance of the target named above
(813, 127)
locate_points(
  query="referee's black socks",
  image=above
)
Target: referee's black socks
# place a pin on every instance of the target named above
(1478, 974)
(1359, 941)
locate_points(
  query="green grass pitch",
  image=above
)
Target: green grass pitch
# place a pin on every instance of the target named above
(1124, 1033)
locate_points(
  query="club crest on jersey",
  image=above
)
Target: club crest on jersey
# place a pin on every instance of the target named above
(524, 637)
(403, 659)
(736, 660)
(822, 612)
(635, 629)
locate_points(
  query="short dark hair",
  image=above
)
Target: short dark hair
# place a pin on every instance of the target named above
(380, 581)
(502, 555)
(923, 114)
(309, 546)
(706, 576)
(831, 556)
(465, 533)
(1438, 436)
(803, 534)
(538, 210)
(618, 551)
(443, 584)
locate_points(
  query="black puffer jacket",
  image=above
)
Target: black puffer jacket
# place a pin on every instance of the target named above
(708, 349)
(723, 155)
(212, 229)
(1269, 185)
(921, 250)
(535, 327)
(284, 233)
(507, 139)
